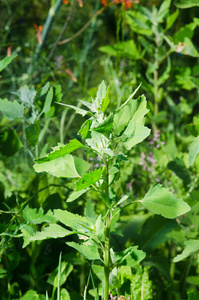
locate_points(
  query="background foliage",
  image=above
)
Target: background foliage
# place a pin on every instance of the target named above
(150, 42)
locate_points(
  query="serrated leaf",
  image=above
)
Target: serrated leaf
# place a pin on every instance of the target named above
(88, 179)
(75, 195)
(101, 93)
(6, 61)
(34, 216)
(74, 221)
(12, 110)
(85, 128)
(90, 252)
(106, 125)
(72, 146)
(191, 246)
(193, 151)
(67, 166)
(129, 257)
(53, 231)
(160, 201)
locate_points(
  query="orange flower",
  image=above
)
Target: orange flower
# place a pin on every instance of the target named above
(38, 32)
(104, 2)
(66, 2)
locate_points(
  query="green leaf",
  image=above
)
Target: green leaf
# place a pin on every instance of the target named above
(53, 231)
(11, 110)
(106, 125)
(72, 146)
(134, 134)
(48, 101)
(186, 3)
(193, 294)
(85, 128)
(74, 221)
(78, 110)
(67, 166)
(129, 257)
(65, 271)
(138, 23)
(74, 195)
(122, 49)
(193, 151)
(90, 252)
(179, 168)
(27, 95)
(160, 201)
(32, 133)
(105, 101)
(135, 109)
(171, 19)
(31, 295)
(88, 179)
(191, 246)
(9, 142)
(34, 216)
(6, 61)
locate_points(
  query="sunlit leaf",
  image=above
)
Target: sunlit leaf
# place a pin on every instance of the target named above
(88, 251)
(193, 150)
(186, 3)
(160, 201)
(67, 166)
(88, 179)
(12, 110)
(53, 231)
(6, 61)
(72, 146)
(191, 246)
(129, 257)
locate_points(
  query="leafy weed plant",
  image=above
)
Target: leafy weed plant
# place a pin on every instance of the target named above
(109, 138)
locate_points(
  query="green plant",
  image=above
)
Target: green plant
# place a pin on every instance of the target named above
(107, 139)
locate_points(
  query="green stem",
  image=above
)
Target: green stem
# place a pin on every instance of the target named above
(155, 79)
(107, 241)
(107, 257)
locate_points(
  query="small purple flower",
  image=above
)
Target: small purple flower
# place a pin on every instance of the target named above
(111, 296)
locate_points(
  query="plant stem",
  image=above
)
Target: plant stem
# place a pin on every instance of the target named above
(107, 257)
(107, 241)
(155, 78)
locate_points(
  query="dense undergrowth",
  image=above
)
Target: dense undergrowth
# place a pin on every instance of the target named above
(99, 196)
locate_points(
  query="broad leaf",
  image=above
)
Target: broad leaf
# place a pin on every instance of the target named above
(191, 246)
(48, 101)
(88, 179)
(179, 168)
(74, 221)
(6, 61)
(186, 3)
(34, 216)
(129, 257)
(65, 270)
(67, 166)
(122, 49)
(88, 251)
(72, 146)
(160, 201)
(11, 110)
(52, 231)
(193, 151)
(106, 125)
(76, 194)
